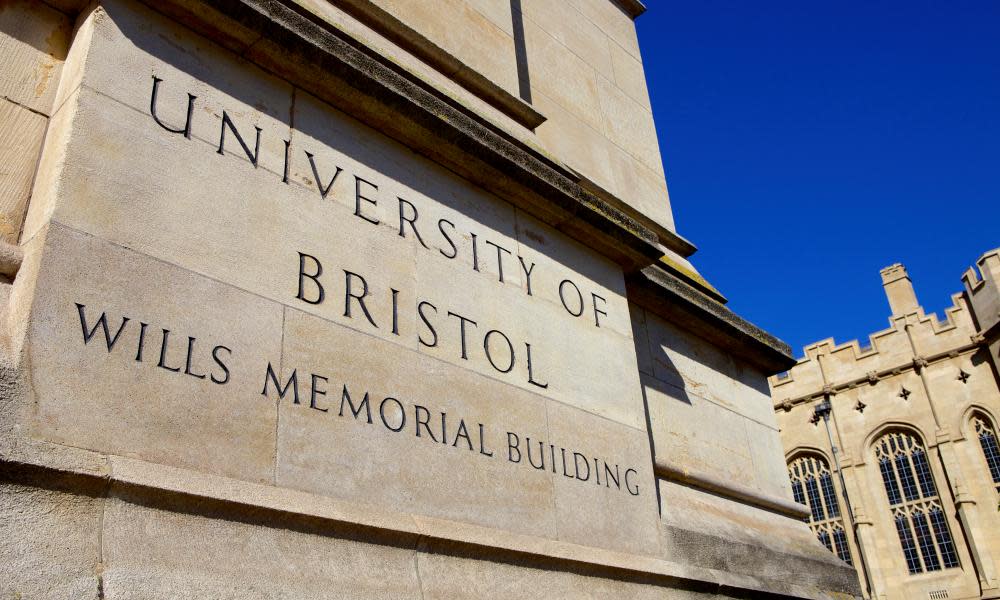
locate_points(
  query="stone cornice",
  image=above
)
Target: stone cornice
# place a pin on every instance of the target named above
(667, 295)
(418, 45)
(873, 377)
(632, 8)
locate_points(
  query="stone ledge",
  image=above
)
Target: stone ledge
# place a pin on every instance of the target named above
(157, 483)
(730, 490)
(418, 45)
(666, 295)
(632, 8)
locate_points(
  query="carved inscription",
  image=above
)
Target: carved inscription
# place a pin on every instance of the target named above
(435, 234)
(370, 304)
(160, 348)
(476, 339)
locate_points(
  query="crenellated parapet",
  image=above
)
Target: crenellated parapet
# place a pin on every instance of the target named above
(927, 390)
(982, 287)
(912, 340)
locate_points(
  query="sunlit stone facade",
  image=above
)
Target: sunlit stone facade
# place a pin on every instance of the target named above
(367, 299)
(897, 441)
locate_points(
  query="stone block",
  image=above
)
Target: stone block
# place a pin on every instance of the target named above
(190, 549)
(49, 171)
(271, 56)
(629, 75)
(21, 134)
(641, 187)
(613, 21)
(181, 390)
(447, 576)
(464, 474)
(444, 211)
(564, 258)
(563, 76)
(49, 542)
(568, 25)
(776, 553)
(464, 32)
(643, 356)
(34, 39)
(690, 431)
(629, 125)
(771, 473)
(498, 13)
(204, 226)
(618, 480)
(699, 369)
(131, 45)
(572, 360)
(579, 143)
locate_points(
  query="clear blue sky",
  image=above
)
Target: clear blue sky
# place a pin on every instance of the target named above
(809, 144)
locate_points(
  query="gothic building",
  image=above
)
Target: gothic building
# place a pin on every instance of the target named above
(893, 445)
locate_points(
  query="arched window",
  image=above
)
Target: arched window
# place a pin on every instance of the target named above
(988, 440)
(920, 520)
(812, 486)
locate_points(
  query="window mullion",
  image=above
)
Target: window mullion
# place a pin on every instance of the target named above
(916, 538)
(894, 466)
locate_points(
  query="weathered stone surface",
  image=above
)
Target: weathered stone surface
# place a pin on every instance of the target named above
(563, 76)
(201, 366)
(464, 474)
(464, 31)
(205, 551)
(49, 541)
(592, 502)
(385, 255)
(629, 75)
(613, 21)
(33, 41)
(629, 125)
(21, 134)
(449, 577)
(683, 361)
(573, 30)
(641, 186)
(703, 529)
(698, 434)
(582, 145)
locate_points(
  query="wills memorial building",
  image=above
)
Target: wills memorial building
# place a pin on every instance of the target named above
(383, 299)
(893, 446)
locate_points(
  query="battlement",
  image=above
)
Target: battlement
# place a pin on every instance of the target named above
(982, 287)
(913, 337)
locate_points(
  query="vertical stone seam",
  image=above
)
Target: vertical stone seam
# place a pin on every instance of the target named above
(545, 399)
(284, 312)
(645, 400)
(552, 478)
(34, 175)
(100, 540)
(277, 401)
(416, 564)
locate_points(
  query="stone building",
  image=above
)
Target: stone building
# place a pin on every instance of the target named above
(367, 299)
(893, 445)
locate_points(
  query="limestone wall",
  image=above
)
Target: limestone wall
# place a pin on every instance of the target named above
(293, 316)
